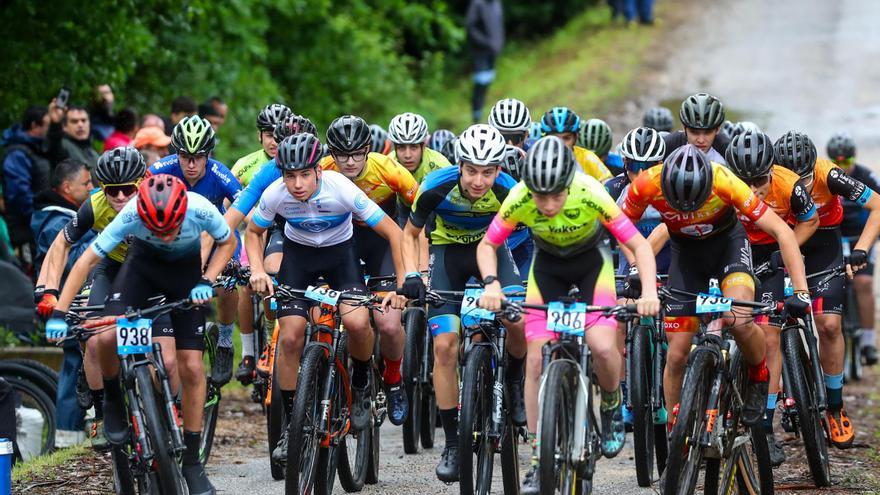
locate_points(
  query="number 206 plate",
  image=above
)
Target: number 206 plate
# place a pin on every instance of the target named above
(134, 336)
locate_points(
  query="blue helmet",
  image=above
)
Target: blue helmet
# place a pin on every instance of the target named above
(559, 120)
(535, 131)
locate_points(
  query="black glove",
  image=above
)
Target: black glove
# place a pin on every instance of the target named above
(413, 288)
(798, 305)
(858, 257)
(632, 285)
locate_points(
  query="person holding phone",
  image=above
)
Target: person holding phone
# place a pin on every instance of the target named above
(70, 132)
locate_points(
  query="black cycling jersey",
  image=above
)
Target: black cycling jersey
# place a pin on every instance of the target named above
(854, 215)
(678, 139)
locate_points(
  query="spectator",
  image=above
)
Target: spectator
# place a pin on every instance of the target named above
(152, 139)
(484, 22)
(221, 108)
(6, 252)
(25, 172)
(644, 8)
(151, 157)
(182, 106)
(209, 112)
(101, 112)
(69, 135)
(151, 119)
(126, 128)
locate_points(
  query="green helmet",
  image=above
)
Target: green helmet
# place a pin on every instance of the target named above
(596, 136)
(193, 135)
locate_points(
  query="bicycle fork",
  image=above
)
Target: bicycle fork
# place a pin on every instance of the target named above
(170, 405)
(658, 352)
(712, 405)
(137, 416)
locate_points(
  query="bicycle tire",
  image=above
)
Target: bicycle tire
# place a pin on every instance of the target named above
(412, 361)
(808, 414)
(213, 397)
(475, 419)
(40, 401)
(556, 429)
(165, 463)
(123, 481)
(275, 423)
(430, 416)
(354, 456)
(37, 365)
(377, 384)
(510, 459)
(688, 424)
(639, 362)
(329, 457)
(22, 368)
(305, 445)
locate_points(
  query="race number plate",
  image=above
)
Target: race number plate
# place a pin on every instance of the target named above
(708, 303)
(570, 318)
(323, 295)
(471, 313)
(134, 336)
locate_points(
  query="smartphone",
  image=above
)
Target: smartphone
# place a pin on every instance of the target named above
(62, 98)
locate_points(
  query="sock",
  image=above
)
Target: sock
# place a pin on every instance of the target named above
(867, 337)
(247, 345)
(191, 440)
(515, 369)
(532, 440)
(225, 337)
(360, 369)
(610, 400)
(287, 397)
(391, 375)
(771, 410)
(112, 392)
(759, 372)
(98, 401)
(449, 420)
(834, 390)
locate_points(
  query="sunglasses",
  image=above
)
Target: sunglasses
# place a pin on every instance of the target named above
(758, 181)
(187, 157)
(844, 162)
(634, 166)
(113, 190)
(514, 139)
(344, 157)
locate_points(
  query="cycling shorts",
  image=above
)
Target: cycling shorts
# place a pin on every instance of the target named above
(274, 241)
(375, 252)
(102, 279)
(821, 252)
(147, 273)
(302, 266)
(451, 267)
(522, 256)
(550, 278)
(771, 286)
(726, 255)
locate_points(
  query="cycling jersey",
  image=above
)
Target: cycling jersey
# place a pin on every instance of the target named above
(714, 216)
(591, 164)
(614, 163)
(854, 214)
(576, 228)
(830, 183)
(458, 220)
(618, 188)
(382, 180)
(677, 139)
(201, 216)
(216, 185)
(788, 198)
(248, 165)
(325, 218)
(431, 161)
(250, 195)
(95, 214)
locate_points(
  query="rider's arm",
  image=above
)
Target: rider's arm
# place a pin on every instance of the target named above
(250, 196)
(409, 247)
(56, 257)
(843, 185)
(658, 238)
(804, 210)
(770, 223)
(391, 232)
(804, 230)
(76, 278)
(225, 250)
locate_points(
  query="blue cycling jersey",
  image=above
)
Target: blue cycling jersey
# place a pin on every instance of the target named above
(201, 216)
(217, 185)
(250, 195)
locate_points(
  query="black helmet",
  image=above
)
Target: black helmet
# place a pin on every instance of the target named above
(659, 119)
(701, 111)
(796, 152)
(293, 124)
(348, 133)
(841, 146)
(686, 178)
(271, 115)
(298, 152)
(750, 154)
(549, 167)
(120, 166)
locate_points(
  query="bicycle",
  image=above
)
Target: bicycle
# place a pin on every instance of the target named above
(708, 424)
(853, 366)
(418, 377)
(150, 458)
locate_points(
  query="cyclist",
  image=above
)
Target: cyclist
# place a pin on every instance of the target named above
(565, 124)
(701, 116)
(827, 184)
(193, 140)
(512, 119)
(241, 208)
(659, 119)
(317, 206)
(842, 151)
(564, 211)
(118, 172)
(166, 223)
(463, 200)
(439, 138)
(697, 200)
(448, 150)
(520, 242)
(385, 182)
(596, 136)
(246, 166)
(379, 142)
(750, 157)
(408, 133)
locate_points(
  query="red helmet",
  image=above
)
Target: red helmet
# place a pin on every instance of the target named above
(161, 203)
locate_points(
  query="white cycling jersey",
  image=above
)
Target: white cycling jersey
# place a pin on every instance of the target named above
(325, 218)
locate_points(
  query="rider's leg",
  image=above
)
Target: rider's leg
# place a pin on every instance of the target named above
(863, 285)
(679, 332)
(391, 342)
(831, 350)
(291, 339)
(246, 321)
(192, 378)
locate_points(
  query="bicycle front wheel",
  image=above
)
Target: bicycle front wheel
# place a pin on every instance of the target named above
(414, 326)
(165, 463)
(305, 436)
(209, 422)
(639, 362)
(558, 470)
(475, 446)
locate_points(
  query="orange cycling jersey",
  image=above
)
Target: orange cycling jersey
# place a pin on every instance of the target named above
(788, 198)
(382, 179)
(716, 215)
(829, 184)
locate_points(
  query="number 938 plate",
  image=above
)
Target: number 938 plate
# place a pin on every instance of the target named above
(134, 336)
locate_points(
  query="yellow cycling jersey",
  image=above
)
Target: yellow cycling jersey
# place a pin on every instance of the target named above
(431, 161)
(382, 179)
(591, 164)
(94, 214)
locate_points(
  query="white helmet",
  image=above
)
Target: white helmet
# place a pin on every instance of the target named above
(643, 144)
(480, 144)
(510, 115)
(408, 128)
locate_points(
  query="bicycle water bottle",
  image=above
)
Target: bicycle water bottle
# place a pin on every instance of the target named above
(5, 466)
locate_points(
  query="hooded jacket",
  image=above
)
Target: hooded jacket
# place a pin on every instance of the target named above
(25, 174)
(52, 213)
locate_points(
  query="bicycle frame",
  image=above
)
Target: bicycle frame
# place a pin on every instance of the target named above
(494, 336)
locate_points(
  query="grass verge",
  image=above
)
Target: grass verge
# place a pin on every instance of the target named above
(44, 465)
